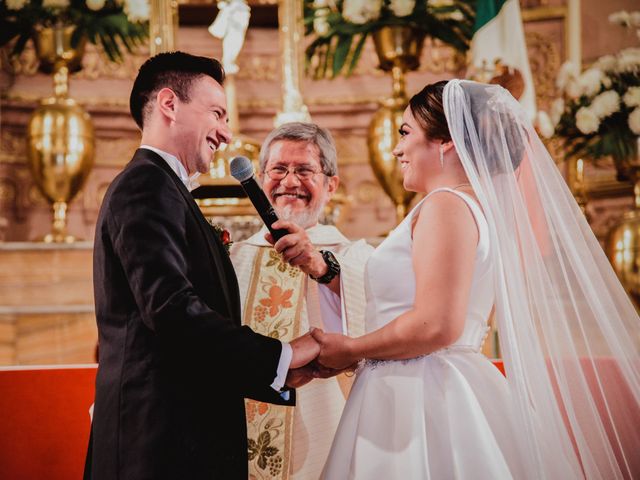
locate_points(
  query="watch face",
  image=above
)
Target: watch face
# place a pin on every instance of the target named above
(330, 259)
(332, 263)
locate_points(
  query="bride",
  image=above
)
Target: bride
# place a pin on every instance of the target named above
(497, 230)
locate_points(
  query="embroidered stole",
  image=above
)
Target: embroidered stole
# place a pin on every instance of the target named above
(273, 308)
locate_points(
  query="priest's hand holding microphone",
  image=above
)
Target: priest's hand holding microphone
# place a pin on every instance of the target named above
(293, 243)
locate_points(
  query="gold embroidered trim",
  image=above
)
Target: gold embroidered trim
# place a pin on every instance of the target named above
(273, 308)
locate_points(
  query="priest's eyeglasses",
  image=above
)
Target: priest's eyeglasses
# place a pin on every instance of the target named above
(303, 172)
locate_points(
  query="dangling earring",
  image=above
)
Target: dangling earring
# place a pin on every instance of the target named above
(442, 156)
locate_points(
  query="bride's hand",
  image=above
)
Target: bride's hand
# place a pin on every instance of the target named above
(336, 351)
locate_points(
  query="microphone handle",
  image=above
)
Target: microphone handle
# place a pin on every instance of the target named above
(263, 207)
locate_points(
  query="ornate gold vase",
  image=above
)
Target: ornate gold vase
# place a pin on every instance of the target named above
(60, 133)
(623, 243)
(398, 50)
(53, 44)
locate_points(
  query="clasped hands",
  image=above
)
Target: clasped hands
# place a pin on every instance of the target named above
(320, 355)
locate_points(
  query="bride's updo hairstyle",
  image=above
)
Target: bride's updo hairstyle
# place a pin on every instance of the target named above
(428, 110)
(427, 107)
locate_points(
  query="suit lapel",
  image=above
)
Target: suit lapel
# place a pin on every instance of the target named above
(213, 243)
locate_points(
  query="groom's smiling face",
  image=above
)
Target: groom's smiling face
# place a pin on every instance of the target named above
(201, 124)
(300, 200)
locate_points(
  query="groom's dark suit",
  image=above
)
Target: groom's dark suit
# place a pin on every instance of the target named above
(175, 364)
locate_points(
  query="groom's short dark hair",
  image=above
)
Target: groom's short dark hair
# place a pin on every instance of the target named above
(174, 70)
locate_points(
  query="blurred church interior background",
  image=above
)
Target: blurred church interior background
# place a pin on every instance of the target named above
(46, 292)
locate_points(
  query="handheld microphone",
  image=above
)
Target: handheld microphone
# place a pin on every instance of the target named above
(242, 170)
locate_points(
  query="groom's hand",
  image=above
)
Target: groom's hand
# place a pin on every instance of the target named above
(305, 349)
(297, 377)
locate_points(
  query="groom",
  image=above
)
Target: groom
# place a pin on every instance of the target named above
(175, 364)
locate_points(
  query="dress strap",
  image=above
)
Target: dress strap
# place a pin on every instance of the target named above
(476, 211)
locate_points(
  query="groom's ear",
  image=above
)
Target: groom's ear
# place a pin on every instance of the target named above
(166, 103)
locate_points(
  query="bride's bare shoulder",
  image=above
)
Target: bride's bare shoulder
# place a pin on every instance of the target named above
(446, 214)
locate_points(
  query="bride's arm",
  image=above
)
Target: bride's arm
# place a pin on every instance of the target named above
(444, 247)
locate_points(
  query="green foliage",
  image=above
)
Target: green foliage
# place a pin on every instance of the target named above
(337, 46)
(108, 27)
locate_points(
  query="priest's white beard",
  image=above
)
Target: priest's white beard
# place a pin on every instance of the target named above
(305, 219)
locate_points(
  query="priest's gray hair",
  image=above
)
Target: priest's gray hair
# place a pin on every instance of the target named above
(308, 133)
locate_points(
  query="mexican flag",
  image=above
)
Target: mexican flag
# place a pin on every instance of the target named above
(498, 34)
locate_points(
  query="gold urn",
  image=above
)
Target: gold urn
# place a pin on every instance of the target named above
(623, 250)
(623, 242)
(60, 133)
(399, 49)
(54, 44)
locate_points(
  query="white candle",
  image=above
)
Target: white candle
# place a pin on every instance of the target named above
(574, 40)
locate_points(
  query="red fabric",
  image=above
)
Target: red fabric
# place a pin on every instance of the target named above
(618, 409)
(44, 431)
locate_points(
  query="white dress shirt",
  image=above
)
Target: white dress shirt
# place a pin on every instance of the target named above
(176, 165)
(190, 182)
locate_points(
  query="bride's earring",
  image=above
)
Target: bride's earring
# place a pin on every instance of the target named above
(441, 156)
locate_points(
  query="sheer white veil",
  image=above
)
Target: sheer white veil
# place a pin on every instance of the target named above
(568, 332)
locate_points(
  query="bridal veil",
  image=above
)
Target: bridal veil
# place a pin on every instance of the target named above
(569, 335)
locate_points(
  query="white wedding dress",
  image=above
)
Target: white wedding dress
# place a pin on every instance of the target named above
(570, 403)
(440, 416)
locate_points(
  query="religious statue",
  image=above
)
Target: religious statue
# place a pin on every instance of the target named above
(230, 26)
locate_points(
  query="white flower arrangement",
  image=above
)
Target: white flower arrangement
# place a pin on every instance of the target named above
(95, 5)
(632, 97)
(16, 4)
(544, 124)
(587, 120)
(634, 121)
(137, 11)
(402, 8)
(626, 19)
(599, 112)
(360, 12)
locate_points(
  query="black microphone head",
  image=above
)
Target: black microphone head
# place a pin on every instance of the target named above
(241, 168)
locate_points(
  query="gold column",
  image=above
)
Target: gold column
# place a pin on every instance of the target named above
(291, 41)
(163, 26)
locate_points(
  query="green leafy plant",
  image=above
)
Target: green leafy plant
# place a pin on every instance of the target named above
(109, 23)
(340, 27)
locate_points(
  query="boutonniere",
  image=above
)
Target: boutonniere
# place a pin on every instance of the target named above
(224, 236)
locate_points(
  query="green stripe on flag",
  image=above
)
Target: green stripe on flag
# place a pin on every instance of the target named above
(486, 10)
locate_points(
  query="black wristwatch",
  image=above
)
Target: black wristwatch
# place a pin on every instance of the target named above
(332, 263)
